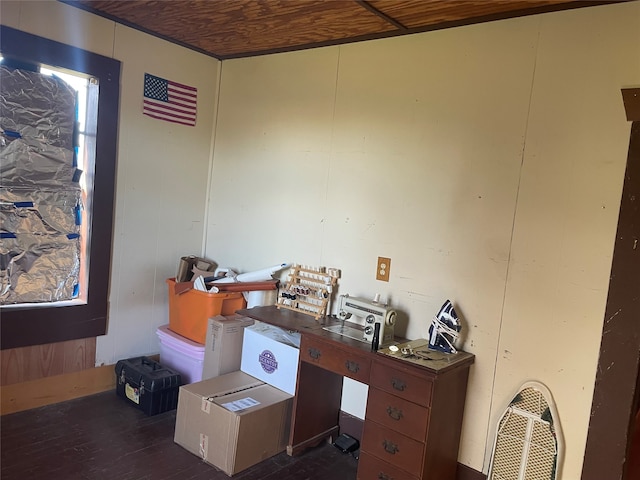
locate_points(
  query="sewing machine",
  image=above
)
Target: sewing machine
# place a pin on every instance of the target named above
(375, 317)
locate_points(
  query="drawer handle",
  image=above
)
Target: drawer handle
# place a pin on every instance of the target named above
(398, 384)
(384, 476)
(314, 353)
(353, 367)
(390, 447)
(394, 413)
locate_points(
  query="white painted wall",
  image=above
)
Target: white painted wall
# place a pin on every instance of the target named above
(162, 167)
(486, 161)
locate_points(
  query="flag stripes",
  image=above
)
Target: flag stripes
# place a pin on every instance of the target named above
(169, 101)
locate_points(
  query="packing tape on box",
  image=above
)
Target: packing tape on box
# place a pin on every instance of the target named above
(204, 446)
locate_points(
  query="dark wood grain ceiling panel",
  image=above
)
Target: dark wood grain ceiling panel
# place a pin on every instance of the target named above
(271, 25)
(239, 28)
(422, 13)
(228, 28)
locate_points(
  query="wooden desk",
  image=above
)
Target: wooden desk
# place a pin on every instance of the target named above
(414, 413)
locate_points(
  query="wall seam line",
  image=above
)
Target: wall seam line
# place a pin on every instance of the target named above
(490, 428)
(329, 156)
(212, 148)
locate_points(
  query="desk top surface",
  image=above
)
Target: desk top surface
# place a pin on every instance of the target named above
(433, 360)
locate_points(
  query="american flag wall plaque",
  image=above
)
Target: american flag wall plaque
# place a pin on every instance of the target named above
(169, 101)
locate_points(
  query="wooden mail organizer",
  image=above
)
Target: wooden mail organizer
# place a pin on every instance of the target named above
(414, 412)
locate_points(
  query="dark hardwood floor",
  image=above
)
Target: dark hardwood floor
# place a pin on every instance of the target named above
(103, 437)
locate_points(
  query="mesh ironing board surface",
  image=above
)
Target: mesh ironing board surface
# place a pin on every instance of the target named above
(528, 444)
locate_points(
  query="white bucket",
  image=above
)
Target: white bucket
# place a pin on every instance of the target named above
(261, 298)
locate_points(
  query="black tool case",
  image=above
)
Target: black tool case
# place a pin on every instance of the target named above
(147, 385)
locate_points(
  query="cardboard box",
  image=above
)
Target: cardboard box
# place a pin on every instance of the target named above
(233, 421)
(270, 353)
(223, 347)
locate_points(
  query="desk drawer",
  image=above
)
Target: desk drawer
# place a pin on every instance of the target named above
(335, 359)
(372, 468)
(411, 387)
(392, 447)
(398, 414)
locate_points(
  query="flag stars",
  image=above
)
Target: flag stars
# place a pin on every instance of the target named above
(156, 88)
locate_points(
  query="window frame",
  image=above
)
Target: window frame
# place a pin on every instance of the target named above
(20, 327)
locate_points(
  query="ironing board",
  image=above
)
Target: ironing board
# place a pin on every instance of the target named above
(528, 442)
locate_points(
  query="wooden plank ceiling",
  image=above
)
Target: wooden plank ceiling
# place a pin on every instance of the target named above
(239, 28)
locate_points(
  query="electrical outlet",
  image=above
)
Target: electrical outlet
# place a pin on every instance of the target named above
(384, 266)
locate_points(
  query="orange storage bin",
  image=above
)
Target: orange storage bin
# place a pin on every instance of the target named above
(190, 310)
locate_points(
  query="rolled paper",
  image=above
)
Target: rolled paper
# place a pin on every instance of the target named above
(261, 275)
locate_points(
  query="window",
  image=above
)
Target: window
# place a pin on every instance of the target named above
(47, 157)
(86, 316)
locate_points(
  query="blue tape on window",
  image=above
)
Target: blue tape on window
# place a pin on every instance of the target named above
(12, 134)
(78, 214)
(23, 204)
(76, 126)
(76, 175)
(7, 235)
(15, 64)
(72, 236)
(76, 291)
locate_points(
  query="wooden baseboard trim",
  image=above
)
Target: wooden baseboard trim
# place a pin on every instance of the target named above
(328, 435)
(351, 425)
(468, 473)
(48, 390)
(18, 397)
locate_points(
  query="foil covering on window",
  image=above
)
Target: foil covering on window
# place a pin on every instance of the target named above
(37, 106)
(39, 192)
(30, 162)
